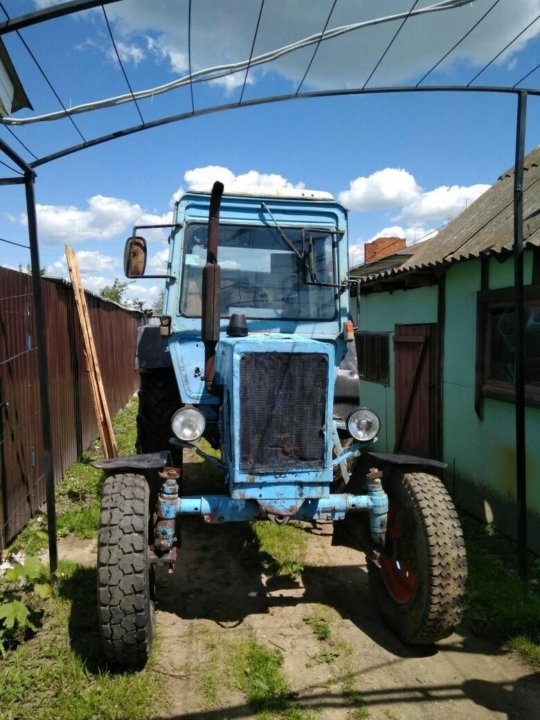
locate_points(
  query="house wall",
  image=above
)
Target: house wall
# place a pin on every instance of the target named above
(381, 312)
(480, 453)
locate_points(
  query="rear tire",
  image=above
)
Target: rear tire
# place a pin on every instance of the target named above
(419, 579)
(125, 574)
(158, 401)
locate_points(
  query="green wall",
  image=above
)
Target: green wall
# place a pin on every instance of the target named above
(380, 312)
(480, 453)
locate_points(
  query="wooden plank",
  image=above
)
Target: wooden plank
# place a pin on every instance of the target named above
(103, 417)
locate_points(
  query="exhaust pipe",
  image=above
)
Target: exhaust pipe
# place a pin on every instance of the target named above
(211, 284)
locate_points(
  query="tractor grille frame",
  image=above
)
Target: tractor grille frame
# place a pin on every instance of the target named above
(283, 407)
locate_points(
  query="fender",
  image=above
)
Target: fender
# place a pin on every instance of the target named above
(149, 461)
(396, 459)
(151, 352)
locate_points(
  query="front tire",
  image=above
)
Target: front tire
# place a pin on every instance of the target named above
(419, 578)
(125, 575)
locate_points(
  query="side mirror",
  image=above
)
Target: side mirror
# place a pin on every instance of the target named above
(135, 257)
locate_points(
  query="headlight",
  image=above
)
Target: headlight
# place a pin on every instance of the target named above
(363, 424)
(188, 423)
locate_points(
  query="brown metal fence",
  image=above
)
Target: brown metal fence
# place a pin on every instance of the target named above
(73, 423)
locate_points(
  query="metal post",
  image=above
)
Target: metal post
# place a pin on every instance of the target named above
(43, 374)
(519, 300)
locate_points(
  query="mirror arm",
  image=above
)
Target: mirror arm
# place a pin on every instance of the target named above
(153, 227)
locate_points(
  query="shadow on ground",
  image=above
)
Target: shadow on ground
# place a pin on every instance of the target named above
(84, 634)
(218, 577)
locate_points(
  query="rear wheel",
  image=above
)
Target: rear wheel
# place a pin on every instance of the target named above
(158, 401)
(125, 575)
(419, 578)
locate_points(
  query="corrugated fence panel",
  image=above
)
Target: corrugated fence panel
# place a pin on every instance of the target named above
(20, 445)
(73, 422)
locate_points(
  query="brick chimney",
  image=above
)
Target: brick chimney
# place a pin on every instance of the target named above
(381, 247)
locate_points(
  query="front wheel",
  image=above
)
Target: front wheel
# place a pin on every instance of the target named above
(419, 577)
(125, 575)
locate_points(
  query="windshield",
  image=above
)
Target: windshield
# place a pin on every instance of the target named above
(262, 276)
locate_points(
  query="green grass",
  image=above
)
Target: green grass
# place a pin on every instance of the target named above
(320, 625)
(499, 605)
(60, 674)
(254, 670)
(78, 495)
(281, 548)
(125, 428)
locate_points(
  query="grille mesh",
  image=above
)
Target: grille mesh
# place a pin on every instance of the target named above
(282, 411)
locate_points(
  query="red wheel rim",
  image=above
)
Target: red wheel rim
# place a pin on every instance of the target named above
(399, 576)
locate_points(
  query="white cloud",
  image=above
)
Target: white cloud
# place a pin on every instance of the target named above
(356, 254)
(204, 178)
(103, 219)
(391, 187)
(165, 52)
(397, 188)
(89, 261)
(222, 33)
(128, 53)
(92, 261)
(442, 203)
(96, 283)
(142, 292)
(157, 264)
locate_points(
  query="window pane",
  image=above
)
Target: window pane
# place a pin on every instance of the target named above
(502, 350)
(496, 344)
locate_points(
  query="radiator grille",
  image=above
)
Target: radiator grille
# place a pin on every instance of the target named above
(282, 411)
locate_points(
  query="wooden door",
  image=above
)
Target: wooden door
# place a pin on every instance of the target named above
(417, 387)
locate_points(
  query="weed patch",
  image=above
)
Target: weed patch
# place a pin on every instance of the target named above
(23, 591)
(320, 626)
(258, 674)
(281, 548)
(499, 605)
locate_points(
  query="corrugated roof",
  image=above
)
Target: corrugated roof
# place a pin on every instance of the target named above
(487, 224)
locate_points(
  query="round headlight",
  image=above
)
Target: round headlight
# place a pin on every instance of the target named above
(188, 424)
(363, 424)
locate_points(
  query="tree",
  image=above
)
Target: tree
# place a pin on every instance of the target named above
(114, 292)
(28, 270)
(157, 307)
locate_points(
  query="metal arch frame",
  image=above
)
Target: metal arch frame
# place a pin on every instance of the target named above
(65, 8)
(28, 178)
(170, 119)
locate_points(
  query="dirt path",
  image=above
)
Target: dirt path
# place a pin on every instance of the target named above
(214, 596)
(217, 596)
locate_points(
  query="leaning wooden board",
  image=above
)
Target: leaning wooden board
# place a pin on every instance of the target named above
(106, 431)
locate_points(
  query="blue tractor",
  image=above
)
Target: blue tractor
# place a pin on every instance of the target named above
(251, 354)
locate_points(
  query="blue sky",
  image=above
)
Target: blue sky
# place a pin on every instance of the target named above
(404, 164)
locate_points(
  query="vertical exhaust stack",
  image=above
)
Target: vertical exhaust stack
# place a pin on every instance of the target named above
(210, 289)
